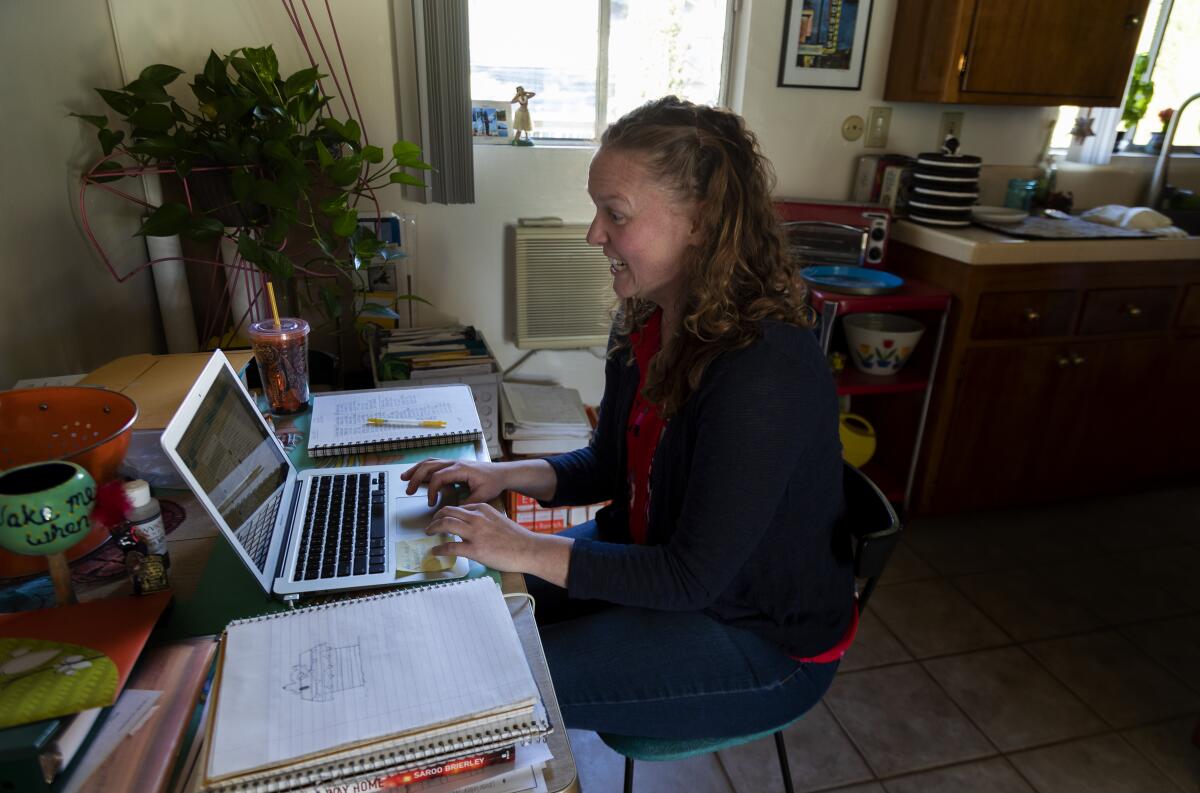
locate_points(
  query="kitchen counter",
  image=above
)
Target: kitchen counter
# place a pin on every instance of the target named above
(975, 245)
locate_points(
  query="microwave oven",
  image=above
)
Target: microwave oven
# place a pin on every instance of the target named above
(835, 233)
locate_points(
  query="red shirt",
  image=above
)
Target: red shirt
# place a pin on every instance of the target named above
(644, 428)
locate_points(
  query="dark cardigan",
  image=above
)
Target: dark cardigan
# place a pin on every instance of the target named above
(746, 491)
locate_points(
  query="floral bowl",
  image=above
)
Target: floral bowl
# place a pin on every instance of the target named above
(880, 344)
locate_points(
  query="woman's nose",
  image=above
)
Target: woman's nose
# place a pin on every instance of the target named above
(596, 235)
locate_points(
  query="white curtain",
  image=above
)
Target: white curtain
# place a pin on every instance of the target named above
(443, 50)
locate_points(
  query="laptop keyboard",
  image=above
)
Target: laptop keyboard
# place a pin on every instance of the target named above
(344, 531)
(255, 536)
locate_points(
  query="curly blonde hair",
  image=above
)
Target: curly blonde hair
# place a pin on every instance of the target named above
(740, 273)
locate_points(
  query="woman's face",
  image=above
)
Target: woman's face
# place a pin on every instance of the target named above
(642, 226)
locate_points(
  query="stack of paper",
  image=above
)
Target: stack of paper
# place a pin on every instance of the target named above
(543, 419)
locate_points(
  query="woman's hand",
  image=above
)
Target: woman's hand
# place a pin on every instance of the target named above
(490, 538)
(485, 480)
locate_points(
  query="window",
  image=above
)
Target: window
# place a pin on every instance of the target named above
(1167, 41)
(591, 61)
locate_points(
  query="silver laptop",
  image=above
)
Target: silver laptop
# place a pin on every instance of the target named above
(298, 532)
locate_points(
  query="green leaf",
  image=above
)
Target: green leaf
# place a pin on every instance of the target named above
(249, 249)
(100, 122)
(344, 224)
(224, 152)
(200, 228)
(301, 81)
(109, 167)
(214, 70)
(160, 74)
(242, 183)
(109, 139)
(332, 206)
(403, 151)
(265, 64)
(148, 91)
(345, 171)
(169, 219)
(155, 118)
(162, 146)
(277, 265)
(277, 230)
(276, 150)
(353, 131)
(372, 154)
(399, 177)
(119, 101)
(324, 158)
(272, 194)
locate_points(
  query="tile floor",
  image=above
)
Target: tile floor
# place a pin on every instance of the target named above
(1054, 650)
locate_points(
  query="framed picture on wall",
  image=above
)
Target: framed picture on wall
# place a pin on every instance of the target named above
(489, 121)
(824, 42)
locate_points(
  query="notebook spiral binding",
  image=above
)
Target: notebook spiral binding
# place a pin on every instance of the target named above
(364, 447)
(348, 601)
(324, 771)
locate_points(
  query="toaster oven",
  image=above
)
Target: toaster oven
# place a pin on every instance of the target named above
(835, 233)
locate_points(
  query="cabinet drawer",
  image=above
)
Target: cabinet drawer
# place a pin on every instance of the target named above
(1126, 310)
(1189, 315)
(1018, 315)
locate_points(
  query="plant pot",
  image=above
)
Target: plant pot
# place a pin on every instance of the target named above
(1155, 144)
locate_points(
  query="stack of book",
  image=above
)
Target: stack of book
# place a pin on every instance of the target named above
(398, 690)
(543, 419)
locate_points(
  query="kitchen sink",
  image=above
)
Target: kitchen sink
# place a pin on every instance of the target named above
(1186, 219)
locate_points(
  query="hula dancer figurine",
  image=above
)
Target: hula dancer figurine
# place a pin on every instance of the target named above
(521, 122)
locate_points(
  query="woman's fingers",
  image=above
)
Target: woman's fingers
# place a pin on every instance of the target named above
(420, 473)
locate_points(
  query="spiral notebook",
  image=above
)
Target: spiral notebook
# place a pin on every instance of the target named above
(386, 682)
(340, 420)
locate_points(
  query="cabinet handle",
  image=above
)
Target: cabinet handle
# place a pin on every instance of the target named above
(1062, 361)
(1031, 315)
(1132, 311)
(1132, 21)
(1077, 359)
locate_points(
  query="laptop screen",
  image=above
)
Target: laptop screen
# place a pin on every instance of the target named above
(229, 453)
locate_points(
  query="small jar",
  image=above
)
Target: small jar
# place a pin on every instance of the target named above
(142, 537)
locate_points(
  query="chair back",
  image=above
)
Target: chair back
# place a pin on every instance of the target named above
(873, 526)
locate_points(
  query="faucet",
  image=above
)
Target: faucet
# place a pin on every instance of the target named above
(1158, 182)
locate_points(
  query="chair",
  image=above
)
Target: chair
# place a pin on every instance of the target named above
(874, 529)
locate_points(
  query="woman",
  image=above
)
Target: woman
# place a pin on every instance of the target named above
(714, 596)
(521, 120)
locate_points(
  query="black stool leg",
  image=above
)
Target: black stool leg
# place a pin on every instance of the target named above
(783, 764)
(628, 775)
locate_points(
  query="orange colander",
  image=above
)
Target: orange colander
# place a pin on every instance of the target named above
(88, 426)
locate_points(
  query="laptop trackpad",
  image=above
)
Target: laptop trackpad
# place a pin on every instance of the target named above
(412, 514)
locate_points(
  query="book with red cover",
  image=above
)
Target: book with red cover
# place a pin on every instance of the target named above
(61, 660)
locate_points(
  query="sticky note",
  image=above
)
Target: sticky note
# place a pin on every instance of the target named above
(413, 556)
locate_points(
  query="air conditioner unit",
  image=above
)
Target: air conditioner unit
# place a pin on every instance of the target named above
(564, 296)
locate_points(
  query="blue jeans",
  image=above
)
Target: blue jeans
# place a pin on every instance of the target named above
(666, 674)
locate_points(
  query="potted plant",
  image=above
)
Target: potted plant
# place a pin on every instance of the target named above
(262, 161)
(1137, 100)
(1154, 146)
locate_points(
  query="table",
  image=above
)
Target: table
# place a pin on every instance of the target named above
(213, 587)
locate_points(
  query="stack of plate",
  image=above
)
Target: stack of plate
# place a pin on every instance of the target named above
(944, 188)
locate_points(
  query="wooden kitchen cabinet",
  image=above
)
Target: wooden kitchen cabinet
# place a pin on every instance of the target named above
(1051, 388)
(1013, 52)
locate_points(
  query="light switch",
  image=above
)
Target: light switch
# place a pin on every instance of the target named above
(879, 121)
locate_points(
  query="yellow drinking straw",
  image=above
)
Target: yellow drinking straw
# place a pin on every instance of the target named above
(274, 307)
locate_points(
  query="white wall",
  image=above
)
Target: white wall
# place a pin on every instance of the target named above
(460, 257)
(60, 310)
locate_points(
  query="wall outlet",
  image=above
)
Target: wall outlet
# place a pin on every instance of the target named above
(852, 127)
(879, 120)
(951, 125)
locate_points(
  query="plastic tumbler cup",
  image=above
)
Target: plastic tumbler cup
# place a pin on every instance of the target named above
(282, 355)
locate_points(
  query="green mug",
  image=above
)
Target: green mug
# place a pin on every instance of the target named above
(45, 507)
